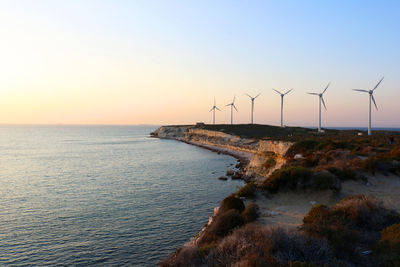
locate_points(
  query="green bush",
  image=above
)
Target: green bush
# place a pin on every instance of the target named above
(249, 190)
(250, 214)
(232, 202)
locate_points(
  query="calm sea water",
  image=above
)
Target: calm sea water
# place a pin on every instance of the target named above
(102, 195)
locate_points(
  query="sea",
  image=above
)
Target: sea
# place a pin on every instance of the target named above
(102, 195)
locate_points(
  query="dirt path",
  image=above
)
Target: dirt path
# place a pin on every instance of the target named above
(289, 208)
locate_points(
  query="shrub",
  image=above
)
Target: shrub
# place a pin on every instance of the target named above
(305, 147)
(232, 202)
(343, 174)
(269, 163)
(354, 220)
(186, 256)
(222, 225)
(256, 245)
(249, 190)
(297, 177)
(250, 214)
(388, 248)
(287, 178)
(325, 180)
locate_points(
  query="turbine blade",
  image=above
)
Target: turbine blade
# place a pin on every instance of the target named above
(211, 109)
(234, 99)
(218, 108)
(326, 87)
(323, 102)
(277, 91)
(214, 100)
(257, 95)
(361, 90)
(227, 105)
(373, 99)
(288, 91)
(378, 84)
(249, 95)
(235, 108)
(313, 93)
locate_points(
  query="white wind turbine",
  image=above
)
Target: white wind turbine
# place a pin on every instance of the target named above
(252, 105)
(282, 95)
(213, 110)
(371, 97)
(321, 99)
(232, 107)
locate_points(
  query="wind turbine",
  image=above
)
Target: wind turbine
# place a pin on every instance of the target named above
(213, 110)
(282, 95)
(371, 97)
(321, 99)
(252, 105)
(232, 107)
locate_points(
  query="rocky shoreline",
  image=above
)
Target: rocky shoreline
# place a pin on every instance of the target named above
(293, 188)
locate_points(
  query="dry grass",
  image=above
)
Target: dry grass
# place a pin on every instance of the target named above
(353, 223)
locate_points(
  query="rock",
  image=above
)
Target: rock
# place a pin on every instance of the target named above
(223, 178)
(298, 156)
(366, 252)
(237, 175)
(238, 165)
(230, 172)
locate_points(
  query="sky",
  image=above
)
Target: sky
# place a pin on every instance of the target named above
(163, 62)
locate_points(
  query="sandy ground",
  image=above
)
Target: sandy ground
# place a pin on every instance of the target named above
(288, 209)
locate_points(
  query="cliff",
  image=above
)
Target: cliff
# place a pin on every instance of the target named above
(262, 156)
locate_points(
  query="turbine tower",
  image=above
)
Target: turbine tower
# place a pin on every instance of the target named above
(282, 95)
(232, 107)
(252, 105)
(321, 99)
(371, 97)
(213, 110)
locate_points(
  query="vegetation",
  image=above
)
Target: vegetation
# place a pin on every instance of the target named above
(354, 222)
(250, 214)
(249, 190)
(269, 163)
(388, 248)
(232, 202)
(329, 236)
(297, 177)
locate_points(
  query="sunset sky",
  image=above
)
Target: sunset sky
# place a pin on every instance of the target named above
(163, 62)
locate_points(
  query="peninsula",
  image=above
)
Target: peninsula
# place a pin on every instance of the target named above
(311, 199)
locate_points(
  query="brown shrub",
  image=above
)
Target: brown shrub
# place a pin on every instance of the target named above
(185, 256)
(388, 248)
(223, 224)
(250, 214)
(296, 177)
(249, 190)
(232, 202)
(257, 245)
(353, 221)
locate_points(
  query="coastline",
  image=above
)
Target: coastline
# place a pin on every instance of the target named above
(327, 184)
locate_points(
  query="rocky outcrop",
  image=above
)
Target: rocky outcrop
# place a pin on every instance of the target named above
(262, 156)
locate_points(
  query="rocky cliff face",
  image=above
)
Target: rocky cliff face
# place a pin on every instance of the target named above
(264, 156)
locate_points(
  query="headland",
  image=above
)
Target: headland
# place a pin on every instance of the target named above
(338, 191)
